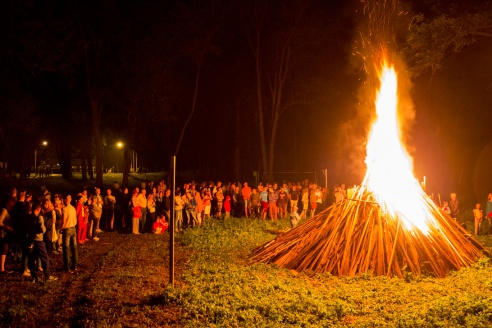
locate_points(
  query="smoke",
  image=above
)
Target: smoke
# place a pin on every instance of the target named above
(374, 44)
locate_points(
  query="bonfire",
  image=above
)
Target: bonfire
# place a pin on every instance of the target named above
(388, 226)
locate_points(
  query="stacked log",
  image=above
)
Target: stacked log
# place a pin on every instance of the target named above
(357, 236)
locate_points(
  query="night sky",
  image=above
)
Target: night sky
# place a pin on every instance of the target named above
(143, 55)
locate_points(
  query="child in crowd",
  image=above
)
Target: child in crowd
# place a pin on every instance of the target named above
(445, 208)
(478, 215)
(294, 217)
(227, 207)
(160, 225)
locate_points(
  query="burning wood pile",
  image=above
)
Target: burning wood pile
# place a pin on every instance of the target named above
(388, 227)
(357, 236)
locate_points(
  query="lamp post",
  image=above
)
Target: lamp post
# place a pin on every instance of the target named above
(43, 143)
(119, 145)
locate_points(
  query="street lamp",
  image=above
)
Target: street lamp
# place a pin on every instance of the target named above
(43, 143)
(134, 165)
(119, 145)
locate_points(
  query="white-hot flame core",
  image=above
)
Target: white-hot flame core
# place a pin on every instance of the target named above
(389, 167)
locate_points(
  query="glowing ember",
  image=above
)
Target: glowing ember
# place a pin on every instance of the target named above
(389, 167)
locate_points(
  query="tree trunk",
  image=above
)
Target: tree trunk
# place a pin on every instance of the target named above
(193, 105)
(65, 160)
(90, 166)
(264, 155)
(127, 160)
(96, 109)
(83, 162)
(237, 151)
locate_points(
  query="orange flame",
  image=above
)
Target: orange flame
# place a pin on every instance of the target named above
(389, 167)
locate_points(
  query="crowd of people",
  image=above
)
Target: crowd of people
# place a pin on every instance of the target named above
(33, 229)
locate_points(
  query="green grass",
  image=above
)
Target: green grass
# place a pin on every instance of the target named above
(223, 290)
(124, 283)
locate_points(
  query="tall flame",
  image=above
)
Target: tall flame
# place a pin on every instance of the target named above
(389, 167)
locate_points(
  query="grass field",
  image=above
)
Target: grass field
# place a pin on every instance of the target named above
(123, 282)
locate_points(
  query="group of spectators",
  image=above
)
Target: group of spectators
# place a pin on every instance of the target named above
(195, 203)
(34, 229)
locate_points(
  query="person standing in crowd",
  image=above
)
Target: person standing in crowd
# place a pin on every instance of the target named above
(319, 199)
(69, 236)
(159, 203)
(190, 205)
(207, 203)
(293, 198)
(246, 193)
(108, 210)
(20, 222)
(272, 203)
(38, 250)
(343, 190)
(142, 202)
(99, 202)
(81, 219)
(227, 207)
(95, 217)
(199, 204)
(49, 215)
(219, 196)
(313, 201)
(255, 203)
(305, 202)
(151, 208)
(337, 194)
(178, 212)
(283, 201)
(126, 199)
(478, 216)
(454, 206)
(264, 202)
(137, 213)
(167, 204)
(6, 230)
(488, 212)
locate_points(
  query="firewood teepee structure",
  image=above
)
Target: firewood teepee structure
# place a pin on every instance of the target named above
(357, 235)
(389, 226)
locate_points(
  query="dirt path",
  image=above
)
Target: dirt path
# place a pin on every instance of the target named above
(121, 282)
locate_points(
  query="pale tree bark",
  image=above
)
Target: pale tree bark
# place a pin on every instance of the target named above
(255, 47)
(271, 102)
(96, 110)
(193, 105)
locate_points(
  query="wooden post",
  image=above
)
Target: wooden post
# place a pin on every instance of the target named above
(171, 226)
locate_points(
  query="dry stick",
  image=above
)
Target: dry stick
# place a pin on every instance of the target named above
(359, 247)
(351, 221)
(393, 249)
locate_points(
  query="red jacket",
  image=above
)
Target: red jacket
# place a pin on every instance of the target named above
(227, 204)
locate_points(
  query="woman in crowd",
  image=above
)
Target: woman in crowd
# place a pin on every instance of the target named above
(136, 212)
(151, 207)
(178, 211)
